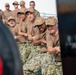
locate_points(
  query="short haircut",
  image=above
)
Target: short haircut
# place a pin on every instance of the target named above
(32, 2)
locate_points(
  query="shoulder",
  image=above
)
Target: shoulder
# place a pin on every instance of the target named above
(36, 10)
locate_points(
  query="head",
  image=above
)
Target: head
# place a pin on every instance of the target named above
(7, 6)
(32, 4)
(52, 25)
(40, 23)
(30, 14)
(11, 21)
(22, 4)
(15, 4)
(21, 14)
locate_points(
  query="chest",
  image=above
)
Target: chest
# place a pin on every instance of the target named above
(13, 30)
(55, 40)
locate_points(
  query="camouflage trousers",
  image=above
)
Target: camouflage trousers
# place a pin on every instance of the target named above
(35, 50)
(41, 61)
(24, 52)
(27, 51)
(54, 69)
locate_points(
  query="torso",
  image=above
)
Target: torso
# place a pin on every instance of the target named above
(7, 13)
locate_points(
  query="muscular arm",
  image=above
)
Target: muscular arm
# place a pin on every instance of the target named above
(22, 33)
(53, 49)
(40, 41)
(36, 42)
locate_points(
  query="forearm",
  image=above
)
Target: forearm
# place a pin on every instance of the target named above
(51, 50)
(36, 42)
(22, 33)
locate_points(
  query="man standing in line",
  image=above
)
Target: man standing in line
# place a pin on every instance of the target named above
(16, 9)
(22, 5)
(2, 17)
(32, 5)
(7, 11)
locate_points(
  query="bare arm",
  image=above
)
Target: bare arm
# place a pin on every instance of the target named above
(53, 49)
(37, 42)
(22, 33)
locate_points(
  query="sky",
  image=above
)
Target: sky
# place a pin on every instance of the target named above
(43, 6)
